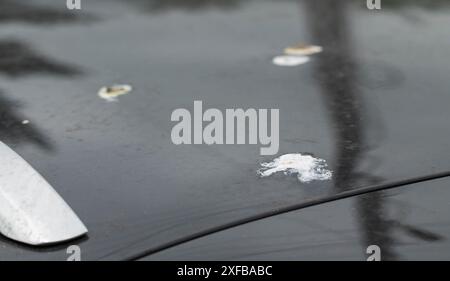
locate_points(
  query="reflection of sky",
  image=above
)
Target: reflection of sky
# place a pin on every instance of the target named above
(18, 59)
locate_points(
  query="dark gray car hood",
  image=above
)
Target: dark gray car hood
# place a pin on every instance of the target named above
(374, 104)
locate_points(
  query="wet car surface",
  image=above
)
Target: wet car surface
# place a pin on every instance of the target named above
(405, 223)
(373, 104)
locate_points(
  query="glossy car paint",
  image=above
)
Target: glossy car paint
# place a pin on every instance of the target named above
(374, 104)
(405, 223)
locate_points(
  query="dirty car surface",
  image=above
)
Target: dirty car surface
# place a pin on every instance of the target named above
(374, 104)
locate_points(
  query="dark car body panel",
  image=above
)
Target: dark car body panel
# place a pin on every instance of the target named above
(405, 223)
(374, 105)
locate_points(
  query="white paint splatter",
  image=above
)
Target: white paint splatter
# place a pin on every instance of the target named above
(289, 60)
(306, 167)
(112, 93)
(303, 50)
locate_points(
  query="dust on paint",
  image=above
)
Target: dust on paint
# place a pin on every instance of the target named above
(306, 167)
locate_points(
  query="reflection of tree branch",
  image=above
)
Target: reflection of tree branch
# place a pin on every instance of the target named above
(337, 76)
(13, 131)
(375, 223)
(337, 73)
(421, 234)
(17, 59)
(15, 11)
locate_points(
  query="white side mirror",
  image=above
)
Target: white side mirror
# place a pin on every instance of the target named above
(30, 209)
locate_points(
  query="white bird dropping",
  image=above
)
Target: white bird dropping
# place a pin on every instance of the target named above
(306, 167)
(289, 60)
